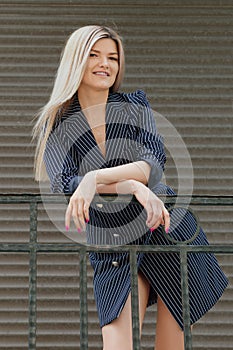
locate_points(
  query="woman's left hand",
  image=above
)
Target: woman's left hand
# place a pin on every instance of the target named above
(157, 214)
(80, 201)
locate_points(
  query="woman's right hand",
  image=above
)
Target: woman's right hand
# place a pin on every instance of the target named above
(78, 207)
(157, 214)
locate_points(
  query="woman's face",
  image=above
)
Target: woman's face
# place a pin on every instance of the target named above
(102, 66)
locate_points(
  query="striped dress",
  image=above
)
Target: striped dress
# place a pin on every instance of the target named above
(131, 135)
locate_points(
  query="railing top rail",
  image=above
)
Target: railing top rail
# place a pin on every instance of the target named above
(225, 200)
(77, 248)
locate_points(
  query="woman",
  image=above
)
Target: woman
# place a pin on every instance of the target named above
(93, 139)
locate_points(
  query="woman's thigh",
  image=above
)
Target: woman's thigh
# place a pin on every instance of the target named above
(118, 334)
(169, 336)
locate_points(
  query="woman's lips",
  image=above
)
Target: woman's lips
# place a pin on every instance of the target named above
(101, 73)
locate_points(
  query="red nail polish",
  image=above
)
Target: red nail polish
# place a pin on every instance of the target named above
(67, 228)
(87, 220)
(167, 230)
(151, 229)
(79, 230)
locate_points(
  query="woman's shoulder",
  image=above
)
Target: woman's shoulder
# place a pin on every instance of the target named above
(137, 97)
(70, 108)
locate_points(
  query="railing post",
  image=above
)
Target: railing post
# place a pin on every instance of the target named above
(32, 276)
(185, 297)
(83, 300)
(134, 299)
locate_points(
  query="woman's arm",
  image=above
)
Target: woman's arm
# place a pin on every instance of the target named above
(106, 179)
(157, 214)
(80, 201)
(139, 171)
(117, 179)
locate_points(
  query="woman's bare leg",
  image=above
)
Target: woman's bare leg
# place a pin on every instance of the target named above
(169, 336)
(118, 334)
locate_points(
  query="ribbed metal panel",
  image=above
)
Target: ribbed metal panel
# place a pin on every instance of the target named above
(180, 53)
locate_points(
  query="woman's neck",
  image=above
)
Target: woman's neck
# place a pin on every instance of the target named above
(88, 98)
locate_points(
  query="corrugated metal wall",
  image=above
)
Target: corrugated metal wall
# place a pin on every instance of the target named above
(180, 53)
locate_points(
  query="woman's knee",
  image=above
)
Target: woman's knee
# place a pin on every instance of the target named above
(118, 334)
(168, 333)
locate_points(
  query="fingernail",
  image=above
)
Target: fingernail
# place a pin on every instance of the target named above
(87, 220)
(67, 228)
(151, 229)
(79, 230)
(167, 230)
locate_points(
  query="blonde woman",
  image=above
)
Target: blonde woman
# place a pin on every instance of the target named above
(94, 139)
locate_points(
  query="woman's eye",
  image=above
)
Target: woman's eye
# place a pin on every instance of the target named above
(93, 55)
(113, 59)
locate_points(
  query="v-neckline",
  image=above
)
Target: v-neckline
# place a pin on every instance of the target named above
(104, 156)
(88, 127)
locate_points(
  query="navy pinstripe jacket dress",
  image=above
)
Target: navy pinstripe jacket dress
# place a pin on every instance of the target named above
(131, 135)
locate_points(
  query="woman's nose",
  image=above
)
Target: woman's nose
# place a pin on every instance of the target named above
(103, 62)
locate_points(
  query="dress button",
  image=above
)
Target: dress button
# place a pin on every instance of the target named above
(99, 205)
(115, 263)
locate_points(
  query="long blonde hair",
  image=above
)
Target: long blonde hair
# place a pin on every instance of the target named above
(69, 76)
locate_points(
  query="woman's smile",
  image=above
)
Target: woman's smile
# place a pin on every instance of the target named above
(102, 73)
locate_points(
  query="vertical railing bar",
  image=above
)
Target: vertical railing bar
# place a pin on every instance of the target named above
(83, 300)
(185, 298)
(32, 276)
(134, 299)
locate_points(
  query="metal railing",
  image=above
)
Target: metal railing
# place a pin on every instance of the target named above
(33, 248)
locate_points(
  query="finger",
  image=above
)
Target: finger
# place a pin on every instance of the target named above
(80, 215)
(154, 218)
(68, 217)
(74, 214)
(166, 218)
(76, 220)
(156, 224)
(162, 221)
(86, 211)
(150, 214)
(157, 214)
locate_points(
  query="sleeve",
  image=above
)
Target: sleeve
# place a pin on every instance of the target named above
(149, 143)
(61, 167)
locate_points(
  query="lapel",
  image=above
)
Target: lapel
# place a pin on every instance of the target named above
(117, 127)
(78, 133)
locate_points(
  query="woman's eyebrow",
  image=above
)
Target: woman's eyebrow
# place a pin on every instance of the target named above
(110, 53)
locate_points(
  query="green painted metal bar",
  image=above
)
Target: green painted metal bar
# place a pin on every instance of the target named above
(83, 300)
(60, 198)
(75, 247)
(185, 298)
(134, 298)
(32, 276)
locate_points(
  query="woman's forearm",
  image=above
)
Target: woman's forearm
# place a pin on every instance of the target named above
(139, 171)
(121, 187)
